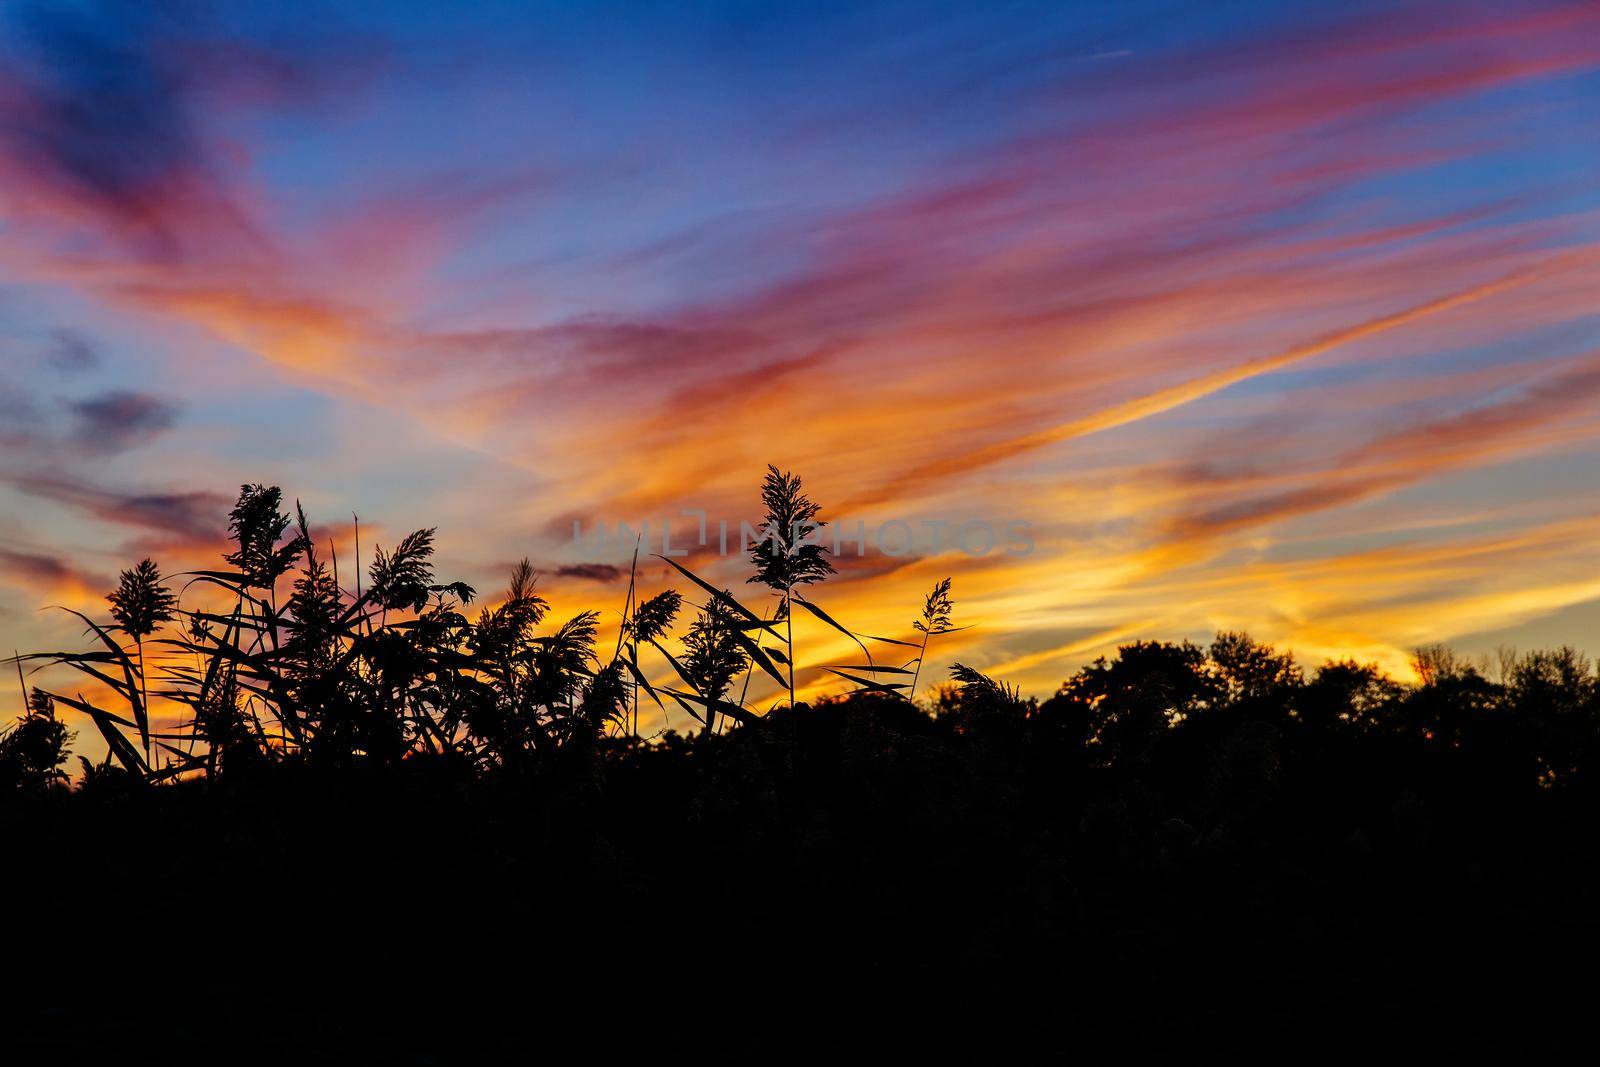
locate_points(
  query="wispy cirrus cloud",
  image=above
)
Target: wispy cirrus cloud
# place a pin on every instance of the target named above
(198, 515)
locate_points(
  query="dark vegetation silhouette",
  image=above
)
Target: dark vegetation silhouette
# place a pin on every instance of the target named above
(391, 827)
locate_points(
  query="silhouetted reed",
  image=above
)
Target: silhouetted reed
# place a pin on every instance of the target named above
(401, 786)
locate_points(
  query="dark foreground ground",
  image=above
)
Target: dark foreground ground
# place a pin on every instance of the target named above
(860, 876)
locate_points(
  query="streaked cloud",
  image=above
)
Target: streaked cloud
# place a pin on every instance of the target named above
(120, 419)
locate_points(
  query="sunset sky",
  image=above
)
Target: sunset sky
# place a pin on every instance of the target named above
(1268, 316)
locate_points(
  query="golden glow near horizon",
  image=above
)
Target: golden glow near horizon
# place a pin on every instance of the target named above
(1286, 327)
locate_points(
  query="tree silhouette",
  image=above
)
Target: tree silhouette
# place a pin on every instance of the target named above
(1149, 688)
(1252, 671)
